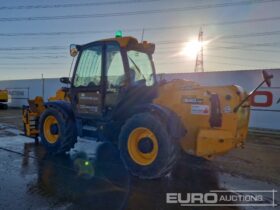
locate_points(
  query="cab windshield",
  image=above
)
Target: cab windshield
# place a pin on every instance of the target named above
(140, 67)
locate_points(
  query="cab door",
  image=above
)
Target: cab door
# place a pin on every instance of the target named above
(115, 77)
(87, 83)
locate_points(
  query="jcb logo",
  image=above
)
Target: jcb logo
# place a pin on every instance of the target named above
(262, 99)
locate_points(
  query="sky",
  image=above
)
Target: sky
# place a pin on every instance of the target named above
(240, 34)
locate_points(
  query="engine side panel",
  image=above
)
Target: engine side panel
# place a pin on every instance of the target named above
(191, 102)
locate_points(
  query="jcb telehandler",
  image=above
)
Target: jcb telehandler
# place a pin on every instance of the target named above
(113, 95)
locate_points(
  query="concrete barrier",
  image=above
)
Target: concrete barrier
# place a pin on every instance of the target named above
(266, 103)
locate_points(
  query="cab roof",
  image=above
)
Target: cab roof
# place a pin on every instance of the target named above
(123, 41)
(130, 42)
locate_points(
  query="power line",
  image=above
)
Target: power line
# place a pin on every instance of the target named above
(221, 48)
(164, 42)
(69, 5)
(178, 45)
(66, 33)
(242, 58)
(244, 46)
(207, 55)
(32, 53)
(215, 23)
(268, 33)
(44, 65)
(142, 12)
(166, 45)
(238, 49)
(39, 64)
(228, 57)
(244, 21)
(55, 48)
(214, 62)
(176, 57)
(35, 57)
(33, 48)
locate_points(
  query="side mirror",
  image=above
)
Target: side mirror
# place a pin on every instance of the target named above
(74, 49)
(65, 80)
(267, 77)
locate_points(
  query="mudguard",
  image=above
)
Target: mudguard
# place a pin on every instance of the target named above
(173, 122)
(63, 106)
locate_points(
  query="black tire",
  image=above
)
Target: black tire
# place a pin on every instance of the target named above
(67, 134)
(168, 148)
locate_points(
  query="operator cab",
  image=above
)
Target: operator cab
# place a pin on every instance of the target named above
(111, 76)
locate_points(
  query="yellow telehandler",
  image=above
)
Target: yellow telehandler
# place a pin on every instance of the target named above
(113, 95)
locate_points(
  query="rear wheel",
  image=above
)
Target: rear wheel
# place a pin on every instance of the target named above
(57, 131)
(147, 149)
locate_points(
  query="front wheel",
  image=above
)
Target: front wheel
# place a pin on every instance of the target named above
(146, 147)
(57, 131)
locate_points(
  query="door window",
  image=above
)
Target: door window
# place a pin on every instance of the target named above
(140, 67)
(114, 67)
(88, 73)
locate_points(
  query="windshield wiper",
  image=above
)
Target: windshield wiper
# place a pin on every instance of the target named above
(137, 68)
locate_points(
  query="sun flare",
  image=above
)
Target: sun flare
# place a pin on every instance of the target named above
(191, 48)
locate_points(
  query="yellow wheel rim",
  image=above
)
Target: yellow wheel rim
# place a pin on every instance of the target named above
(135, 153)
(49, 121)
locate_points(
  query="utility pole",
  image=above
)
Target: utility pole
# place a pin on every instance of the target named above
(142, 36)
(43, 86)
(199, 57)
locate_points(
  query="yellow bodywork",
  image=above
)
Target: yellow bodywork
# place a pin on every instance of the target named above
(30, 116)
(32, 113)
(60, 95)
(4, 96)
(188, 100)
